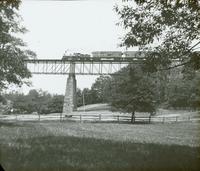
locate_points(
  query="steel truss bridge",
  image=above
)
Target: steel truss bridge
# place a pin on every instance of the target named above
(75, 66)
(79, 67)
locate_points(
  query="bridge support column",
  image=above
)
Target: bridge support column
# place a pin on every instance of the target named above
(70, 103)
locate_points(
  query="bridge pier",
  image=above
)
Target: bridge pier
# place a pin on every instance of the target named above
(70, 102)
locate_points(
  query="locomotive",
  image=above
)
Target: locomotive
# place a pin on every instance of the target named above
(76, 56)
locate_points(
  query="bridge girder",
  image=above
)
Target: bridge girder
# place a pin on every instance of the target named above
(62, 67)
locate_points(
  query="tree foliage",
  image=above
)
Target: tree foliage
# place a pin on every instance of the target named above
(169, 28)
(36, 101)
(12, 53)
(2, 100)
(101, 89)
(98, 93)
(55, 104)
(184, 91)
(133, 91)
(130, 90)
(79, 97)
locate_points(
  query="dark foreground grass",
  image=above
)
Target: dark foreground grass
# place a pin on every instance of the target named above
(58, 153)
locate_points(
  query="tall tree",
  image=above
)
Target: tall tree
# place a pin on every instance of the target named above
(12, 69)
(133, 90)
(171, 28)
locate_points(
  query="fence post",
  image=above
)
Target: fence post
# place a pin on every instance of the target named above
(118, 118)
(176, 118)
(188, 118)
(80, 118)
(16, 117)
(39, 116)
(60, 116)
(133, 117)
(99, 117)
(150, 119)
(163, 119)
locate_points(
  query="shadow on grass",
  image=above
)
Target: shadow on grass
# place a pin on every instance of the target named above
(10, 124)
(80, 154)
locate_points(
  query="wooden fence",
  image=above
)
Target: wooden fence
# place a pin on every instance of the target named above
(100, 118)
(126, 118)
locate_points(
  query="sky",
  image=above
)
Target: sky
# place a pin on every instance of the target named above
(77, 26)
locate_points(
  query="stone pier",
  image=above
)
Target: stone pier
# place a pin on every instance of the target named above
(70, 103)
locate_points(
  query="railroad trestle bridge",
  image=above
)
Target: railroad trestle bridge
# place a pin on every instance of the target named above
(78, 67)
(99, 66)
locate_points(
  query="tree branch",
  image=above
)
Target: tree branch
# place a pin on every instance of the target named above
(181, 64)
(175, 66)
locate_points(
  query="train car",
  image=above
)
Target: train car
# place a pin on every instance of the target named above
(107, 54)
(81, 55)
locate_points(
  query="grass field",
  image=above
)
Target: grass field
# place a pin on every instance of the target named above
(99, 146)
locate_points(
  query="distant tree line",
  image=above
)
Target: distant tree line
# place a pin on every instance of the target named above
(35, 101)
(43, 102)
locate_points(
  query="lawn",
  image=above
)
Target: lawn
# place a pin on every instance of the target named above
(99, 146)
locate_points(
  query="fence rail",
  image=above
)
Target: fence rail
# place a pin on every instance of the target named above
(125, 118)
(100, 118)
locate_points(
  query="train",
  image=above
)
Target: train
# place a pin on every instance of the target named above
(104, 55)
